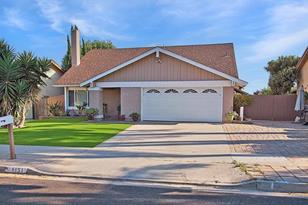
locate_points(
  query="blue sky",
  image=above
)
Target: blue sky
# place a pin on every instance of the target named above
(260, 30)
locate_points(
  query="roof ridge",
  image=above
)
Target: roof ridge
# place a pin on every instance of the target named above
(162, 46)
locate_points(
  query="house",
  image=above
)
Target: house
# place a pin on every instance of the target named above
(302, 67)
(40, 108)
(163, 83)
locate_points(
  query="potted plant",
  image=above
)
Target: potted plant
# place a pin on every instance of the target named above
(91, 112)
(230, 116)
(135, 116)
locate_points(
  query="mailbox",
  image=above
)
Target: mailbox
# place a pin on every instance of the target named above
(6, 120)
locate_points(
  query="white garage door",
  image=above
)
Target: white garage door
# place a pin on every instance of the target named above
(182, 104)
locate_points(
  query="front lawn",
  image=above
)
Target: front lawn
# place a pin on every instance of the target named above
(67, 132)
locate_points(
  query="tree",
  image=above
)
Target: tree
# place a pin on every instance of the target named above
(283, 74)
(66, 60)
(21, 76)
(85, 47)
(264, 91)
(241, 100)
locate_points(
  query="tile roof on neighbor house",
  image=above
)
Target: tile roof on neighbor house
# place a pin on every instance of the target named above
(218, 56)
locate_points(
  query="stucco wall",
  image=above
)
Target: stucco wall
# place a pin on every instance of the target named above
(167, 69)
(112, 97)
(228, 93)
(49, 89)
(96, 100)
(130, 101)
(304, 76)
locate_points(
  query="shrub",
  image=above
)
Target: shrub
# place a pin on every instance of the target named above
(241, 100)
(56, 109)
(135, 116)
(81, 108)
(91, 112)
(230, 116)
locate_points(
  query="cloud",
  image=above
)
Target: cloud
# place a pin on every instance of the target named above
(13, 18)
(92, 17)
(200, 10)
(287, 28)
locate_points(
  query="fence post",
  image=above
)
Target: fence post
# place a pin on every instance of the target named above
(12, 143)
(242, 113)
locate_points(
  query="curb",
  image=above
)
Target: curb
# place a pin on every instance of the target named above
(259, 185)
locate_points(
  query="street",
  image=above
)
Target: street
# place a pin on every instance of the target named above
(41, 191)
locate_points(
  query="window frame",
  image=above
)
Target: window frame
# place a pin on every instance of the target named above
(74, 105)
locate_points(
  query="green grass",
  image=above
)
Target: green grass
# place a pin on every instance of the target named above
(67, 132)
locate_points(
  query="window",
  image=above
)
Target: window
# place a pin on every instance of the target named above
(71, 98)
(153, 91)
(171, 91)
(209, 91)
(77, 97)
(190, 91)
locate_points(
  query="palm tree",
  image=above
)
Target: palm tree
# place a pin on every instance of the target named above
(21, 77)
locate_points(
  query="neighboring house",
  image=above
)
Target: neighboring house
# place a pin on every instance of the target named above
(40, 109)
(302, 66)
(164, 83)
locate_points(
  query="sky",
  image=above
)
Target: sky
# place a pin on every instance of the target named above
(260, 30)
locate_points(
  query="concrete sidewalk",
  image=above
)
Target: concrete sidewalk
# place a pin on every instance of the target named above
(179, 152)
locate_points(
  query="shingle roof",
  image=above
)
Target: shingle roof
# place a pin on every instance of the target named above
(218, 56)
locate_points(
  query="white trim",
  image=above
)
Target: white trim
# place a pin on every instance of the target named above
(206, 68)
(119, 67)
(161, 84)
(95, 88)
(157, 49)
(222, 105)
(141, 103)
(157, 54)
(65, 99)
(77, 88)
(66, 85)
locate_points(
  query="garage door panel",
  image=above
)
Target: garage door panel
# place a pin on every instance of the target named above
(182, 106)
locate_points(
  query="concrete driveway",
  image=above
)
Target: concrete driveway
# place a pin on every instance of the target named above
(179, 152)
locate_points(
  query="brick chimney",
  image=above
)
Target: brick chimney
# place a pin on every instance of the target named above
(75, 45)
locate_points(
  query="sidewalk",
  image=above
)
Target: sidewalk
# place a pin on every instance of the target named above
(271, 150)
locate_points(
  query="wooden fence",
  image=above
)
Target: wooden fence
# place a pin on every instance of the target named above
(272, 107)
(41, 108)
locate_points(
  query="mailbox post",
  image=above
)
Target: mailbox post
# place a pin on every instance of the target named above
(9, 121)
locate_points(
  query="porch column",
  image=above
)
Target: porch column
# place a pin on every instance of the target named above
(96, 99)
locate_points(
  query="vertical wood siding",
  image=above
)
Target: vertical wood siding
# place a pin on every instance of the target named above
(168, 69)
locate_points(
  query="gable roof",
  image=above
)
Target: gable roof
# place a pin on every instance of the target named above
(217, 57)
(55, 66)
(303, 59)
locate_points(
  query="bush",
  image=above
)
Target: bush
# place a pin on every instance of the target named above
(230, 116)
(135, 116)
(81, 108)
(91, 112)
(241, 100)
(56, 109)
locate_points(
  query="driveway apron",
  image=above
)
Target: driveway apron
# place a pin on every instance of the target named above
(175, 152)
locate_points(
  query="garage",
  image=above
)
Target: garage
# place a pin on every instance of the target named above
(182, 104)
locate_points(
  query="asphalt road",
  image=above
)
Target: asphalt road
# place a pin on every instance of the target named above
(33, 191)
